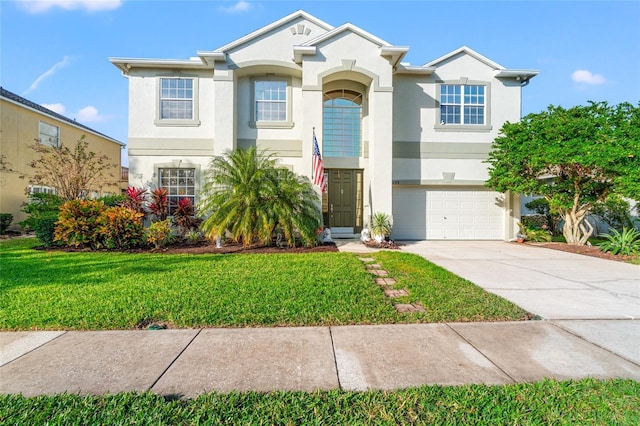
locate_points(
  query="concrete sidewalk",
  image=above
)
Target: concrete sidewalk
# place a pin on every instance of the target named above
(192, 361)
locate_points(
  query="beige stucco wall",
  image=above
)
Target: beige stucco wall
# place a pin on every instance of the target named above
(19, 128)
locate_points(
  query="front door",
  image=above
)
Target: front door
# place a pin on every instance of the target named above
(342, 203)
(341, 198)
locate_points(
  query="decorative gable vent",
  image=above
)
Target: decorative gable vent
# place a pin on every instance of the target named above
(300, 29)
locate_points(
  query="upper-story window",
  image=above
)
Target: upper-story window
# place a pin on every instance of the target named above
(177, 101)
(271, 102)
(461, 104)
(49, 134)
(464, 105)
(341, 124)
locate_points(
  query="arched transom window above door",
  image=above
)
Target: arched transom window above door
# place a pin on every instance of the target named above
(342, 123)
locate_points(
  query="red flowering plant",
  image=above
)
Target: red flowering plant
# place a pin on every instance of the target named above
(135, 199)
(184, 216)
(159, 206)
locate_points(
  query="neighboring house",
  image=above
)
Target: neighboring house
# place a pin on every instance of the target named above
(24, 123)
(406, 140)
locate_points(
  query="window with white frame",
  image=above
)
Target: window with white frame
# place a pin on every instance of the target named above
(179, 183)
(49, 134)
(42, 189)
(270, 100)
(176, 99)
(462, 104)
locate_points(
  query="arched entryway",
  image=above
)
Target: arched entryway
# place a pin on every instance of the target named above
(343, 145)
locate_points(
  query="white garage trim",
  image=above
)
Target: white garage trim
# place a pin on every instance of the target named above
(427, 213)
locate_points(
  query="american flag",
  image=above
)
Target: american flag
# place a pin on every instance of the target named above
(318, 167)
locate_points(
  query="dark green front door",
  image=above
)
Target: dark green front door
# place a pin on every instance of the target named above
(342, 197)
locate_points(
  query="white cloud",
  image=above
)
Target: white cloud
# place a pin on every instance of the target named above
(42, 6)
(587, 77)
(89, 114)
(59, 108)
(48, 73)
(240, 7)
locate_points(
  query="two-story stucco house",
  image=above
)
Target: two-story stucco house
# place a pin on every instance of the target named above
(24, 123)
(406, 140)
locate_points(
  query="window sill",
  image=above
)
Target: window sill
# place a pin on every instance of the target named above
(271, 124)
(462, 128)
(177, 123)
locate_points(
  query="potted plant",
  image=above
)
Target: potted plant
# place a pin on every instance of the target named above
(380, 226)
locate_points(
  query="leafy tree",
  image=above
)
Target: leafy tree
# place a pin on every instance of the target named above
(572, 157)
(74, 172)
(247, 195)
(615, 211)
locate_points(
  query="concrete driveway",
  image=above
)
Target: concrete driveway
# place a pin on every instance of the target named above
(550, 283)
(595, 299)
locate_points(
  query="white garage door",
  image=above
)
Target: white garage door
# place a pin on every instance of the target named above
(438, 214)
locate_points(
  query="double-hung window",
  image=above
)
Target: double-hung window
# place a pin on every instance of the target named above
(463, 104)
(49, 134)
(177, 101)
(179, 183)
(271, 102)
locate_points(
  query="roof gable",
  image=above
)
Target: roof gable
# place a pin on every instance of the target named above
(468, 51)
(346, 27)
(274, 25)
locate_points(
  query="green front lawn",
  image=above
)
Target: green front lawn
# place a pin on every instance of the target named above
(84, 290)
(588, 401)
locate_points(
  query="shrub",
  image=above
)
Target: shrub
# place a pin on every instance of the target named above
(194, 236)
(184, 216)
(535, 221)
(541, 207)
(615, 211)
(159, 234)
(113, 200)
(45, 229)
(159, 206)
(135, 199)
(538, 235)
(77, 224)
(120, 228)
(39, 206)
(5, 221)
(626, 242)
(380, 225)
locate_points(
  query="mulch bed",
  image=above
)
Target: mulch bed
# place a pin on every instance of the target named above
(592, 251)
(207, 247)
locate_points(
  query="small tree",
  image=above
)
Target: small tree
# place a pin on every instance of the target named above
(74, 172)
(572, 157)
(247, 195)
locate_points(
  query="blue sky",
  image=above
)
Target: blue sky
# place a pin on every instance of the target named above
(55, 52)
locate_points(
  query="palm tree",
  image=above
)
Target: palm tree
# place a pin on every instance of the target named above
(247, 195)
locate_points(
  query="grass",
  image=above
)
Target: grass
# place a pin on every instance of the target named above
(83, 290)
(548, 402)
